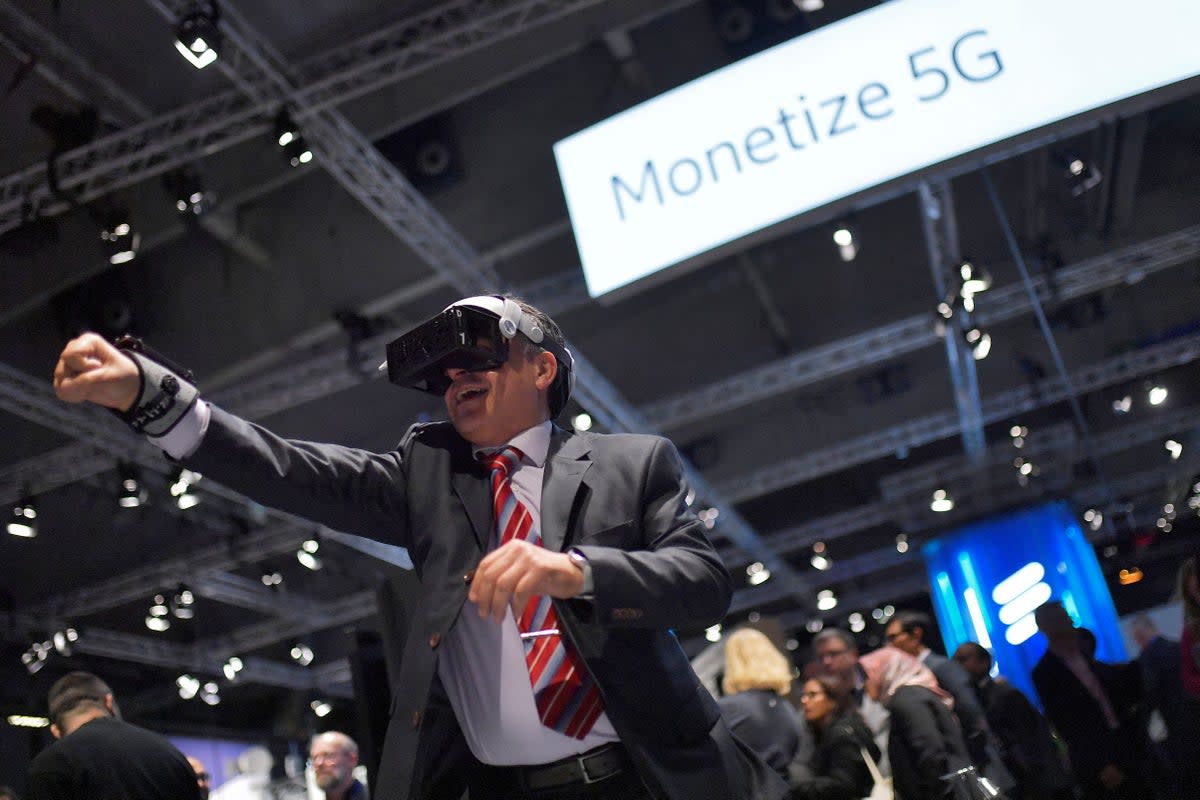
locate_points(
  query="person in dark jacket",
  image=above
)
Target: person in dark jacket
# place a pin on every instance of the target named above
(757, 681)
(926, 741)
(839, 771)
(1027, 746)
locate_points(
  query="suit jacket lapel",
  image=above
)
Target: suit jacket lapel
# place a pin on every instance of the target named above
(471, 483)
(566, 464)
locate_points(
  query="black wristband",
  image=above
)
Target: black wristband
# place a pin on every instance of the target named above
(165, 395)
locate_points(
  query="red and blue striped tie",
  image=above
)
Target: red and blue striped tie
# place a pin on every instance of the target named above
(566, 697)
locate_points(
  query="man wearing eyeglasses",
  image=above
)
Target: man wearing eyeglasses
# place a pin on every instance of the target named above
(541, 661)
(333, 756)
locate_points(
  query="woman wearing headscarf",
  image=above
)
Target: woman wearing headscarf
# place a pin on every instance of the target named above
(757, 681)
(925, 741)
(838, 769)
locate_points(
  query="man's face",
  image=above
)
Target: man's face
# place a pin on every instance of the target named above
(975, 666)
(837, 658)
(332, 764)
(489, 407)
(899, 638)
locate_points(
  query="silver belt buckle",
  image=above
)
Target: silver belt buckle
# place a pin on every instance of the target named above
(587, 776)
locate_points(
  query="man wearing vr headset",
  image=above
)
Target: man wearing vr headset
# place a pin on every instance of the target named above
(539, 551)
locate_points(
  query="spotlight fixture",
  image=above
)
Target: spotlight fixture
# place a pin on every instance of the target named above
(1019, 434)
(846, 240)
(307, 554)
(857, 623)
(713, 633)
(901, 544)
(809, 6)
(181, 489)
(1122, 405)
(979, 341)
(814, 625)
(27, 721)
(23, 521)
(271, 579)
(320, 707)
(288, 136)
(1094, 519)
(1079, 173)
(757, 574)
(158, 618)
(210, 693)
(582, 421)
(121, 241)
(131, 493)
(941, 502)
(196, 35)
(826, 600)
(975, 279)
(64, 639)
(183, 603)
(188, 686)
(185, 186)
(1174, 448)
(232, 667)
(708, 516)
(820, 558)
(302, 654)
(1156, 395)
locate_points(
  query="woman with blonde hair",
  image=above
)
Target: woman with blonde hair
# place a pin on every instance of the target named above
(757, 680)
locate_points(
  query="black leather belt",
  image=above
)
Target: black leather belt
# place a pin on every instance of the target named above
(594, 766)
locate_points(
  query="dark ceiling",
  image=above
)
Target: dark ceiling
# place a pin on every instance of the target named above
(812, 395)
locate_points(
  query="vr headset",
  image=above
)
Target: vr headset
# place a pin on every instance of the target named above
(472, 334)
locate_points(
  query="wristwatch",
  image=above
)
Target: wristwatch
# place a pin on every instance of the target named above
(580, 561)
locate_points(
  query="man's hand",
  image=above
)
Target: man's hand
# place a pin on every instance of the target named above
(1111, 777)
(91, 369)
(514, 572)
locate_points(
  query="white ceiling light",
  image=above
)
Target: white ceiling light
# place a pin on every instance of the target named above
(826, 601)
(941, 502)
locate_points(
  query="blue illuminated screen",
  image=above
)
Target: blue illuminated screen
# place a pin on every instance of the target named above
(987, 578)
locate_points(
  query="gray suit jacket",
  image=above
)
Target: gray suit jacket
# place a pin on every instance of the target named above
(618, 498)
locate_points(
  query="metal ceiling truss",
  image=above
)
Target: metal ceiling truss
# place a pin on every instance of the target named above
(1125, 265)
(200, 129)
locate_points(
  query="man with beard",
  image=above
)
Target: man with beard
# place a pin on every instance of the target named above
(333, 756)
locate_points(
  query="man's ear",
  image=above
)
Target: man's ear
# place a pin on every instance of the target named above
(547, 369)
(54, 731)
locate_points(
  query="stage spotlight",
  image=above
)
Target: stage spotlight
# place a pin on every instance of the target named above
(901, 545)
(1157, 395)
(857, 623)
(820, 558)
(210, 693)
(288, 136)
(814, 626)
(188, 686)
(1174, 448)
(196, 35)
(809, 6)
(183, 603)
(713, 633)
(232, 667)
(64, 639)
(302, 654)
(121, 241)
(979, 341)
(320, 707)
(582, 421)
(757, 574)
(846, 240)
(1122, 405)
(23, 521)
(941, 502)
(975, 279)
(1079, 173)
(826, 600)
(181, 489)
(307, 554)
(131, 493)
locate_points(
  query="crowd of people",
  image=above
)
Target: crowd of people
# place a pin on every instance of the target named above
(542, 662)
(927, 726)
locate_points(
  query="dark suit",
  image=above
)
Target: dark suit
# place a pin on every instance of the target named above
(1026, 745)
(767, 723)
(1079, 719)
(107, 759)
(619, 499)
(925, 743)
(981, 745)
(1160, 665)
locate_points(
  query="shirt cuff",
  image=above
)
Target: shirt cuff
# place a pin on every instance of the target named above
(183, 439)
(589, 583)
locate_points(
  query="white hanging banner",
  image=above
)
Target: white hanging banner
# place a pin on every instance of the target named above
(875, 97)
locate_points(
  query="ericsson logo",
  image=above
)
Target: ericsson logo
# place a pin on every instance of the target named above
(1018, 596)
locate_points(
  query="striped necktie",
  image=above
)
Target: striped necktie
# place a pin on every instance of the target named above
(566, 697)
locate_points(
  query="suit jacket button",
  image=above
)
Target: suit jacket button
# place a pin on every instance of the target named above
(470, 576)
(434, 641)
(416, 719)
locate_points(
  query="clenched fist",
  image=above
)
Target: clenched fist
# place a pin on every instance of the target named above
(91, 369)
(509, 575)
